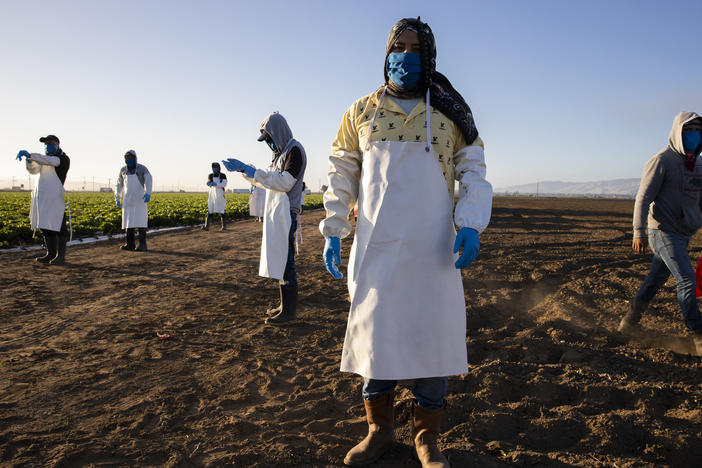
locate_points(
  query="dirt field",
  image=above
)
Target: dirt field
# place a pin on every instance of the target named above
(85, 381)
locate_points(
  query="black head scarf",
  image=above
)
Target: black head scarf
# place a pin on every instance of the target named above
(442, 94)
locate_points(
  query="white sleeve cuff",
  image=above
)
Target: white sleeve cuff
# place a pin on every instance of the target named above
(474, 205)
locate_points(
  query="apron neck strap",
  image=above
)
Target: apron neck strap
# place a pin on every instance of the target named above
(428, 147)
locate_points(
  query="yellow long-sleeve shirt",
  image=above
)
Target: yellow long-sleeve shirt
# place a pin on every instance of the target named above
(458, 160)
(393, 124)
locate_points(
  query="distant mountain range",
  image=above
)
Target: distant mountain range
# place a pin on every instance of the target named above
(618, 187)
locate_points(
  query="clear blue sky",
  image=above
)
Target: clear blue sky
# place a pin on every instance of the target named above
(560, 90)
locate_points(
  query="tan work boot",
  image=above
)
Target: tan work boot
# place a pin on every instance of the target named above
(425, 430)
(381, 432)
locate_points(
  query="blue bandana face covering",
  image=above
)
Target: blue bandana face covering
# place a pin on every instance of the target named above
(691, 140)
(403, 69)
(272, 145)
(50, 149)
(131, 163)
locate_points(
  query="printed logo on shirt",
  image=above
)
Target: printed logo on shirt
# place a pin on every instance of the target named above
(375, 128)
(391, 125)
(434, 140)
(381, 114)
(417, 137)
(448, 143)
(401, 137)
(442, 126)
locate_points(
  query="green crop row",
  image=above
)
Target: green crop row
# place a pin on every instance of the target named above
(96, 213)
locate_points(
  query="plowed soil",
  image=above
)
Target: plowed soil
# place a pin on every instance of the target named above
(86, 381)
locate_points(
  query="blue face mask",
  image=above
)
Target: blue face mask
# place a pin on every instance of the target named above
(691, 140)
(404, 69)
(131, 163)
(215, 170)
(272, 146)
(51, 149)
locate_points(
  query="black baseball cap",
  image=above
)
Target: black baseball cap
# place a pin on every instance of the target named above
(50, 139)
(264, 136)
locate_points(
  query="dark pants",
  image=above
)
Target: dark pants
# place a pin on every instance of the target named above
(429, 392)
(290, 275)
(62, 232)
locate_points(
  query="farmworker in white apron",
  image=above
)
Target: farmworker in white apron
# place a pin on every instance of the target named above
(134, 180)
(283, 185)
(217, 182)
(398, 152)
(47, 211)
(257, 202)
(666, 215)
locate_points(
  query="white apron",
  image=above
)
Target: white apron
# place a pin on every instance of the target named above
(47, 208)
(135, 213)
(216, 200)
(407, 317)
(257, 202)
(276, 228)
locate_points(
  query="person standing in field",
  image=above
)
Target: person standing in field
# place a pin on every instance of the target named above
(398, 152)
(47, 211)
(132, 193)
(257, 202)
(283, 185)
(669, 202)
(216, 202)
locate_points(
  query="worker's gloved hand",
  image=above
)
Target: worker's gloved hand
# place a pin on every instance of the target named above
(22, 153)
(147, 197)
(234, 165)
(119, 205)
(211, 184)
(332, 256)
(467, 238)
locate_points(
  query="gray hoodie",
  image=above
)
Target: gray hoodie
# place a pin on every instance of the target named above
(669, 189)
(279, 130)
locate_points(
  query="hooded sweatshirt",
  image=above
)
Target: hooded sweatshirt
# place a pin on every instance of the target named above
(669, 194)
(291, 159)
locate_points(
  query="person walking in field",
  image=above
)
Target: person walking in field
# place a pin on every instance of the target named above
(398, 152)
(216, 202)
(47, 211)
(132, 194)
(283, 185)
(669, 204)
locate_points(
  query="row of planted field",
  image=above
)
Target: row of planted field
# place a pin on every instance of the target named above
(96, 213)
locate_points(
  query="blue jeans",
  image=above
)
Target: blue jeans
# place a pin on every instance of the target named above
(429, 392)
(290, 275)
(670, 256)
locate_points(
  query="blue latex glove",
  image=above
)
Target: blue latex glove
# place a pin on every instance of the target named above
(234, 165)
(147, 197)
(22, 153)
(211, 184)
(469, 240)
(332, 256)
(119, 205)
